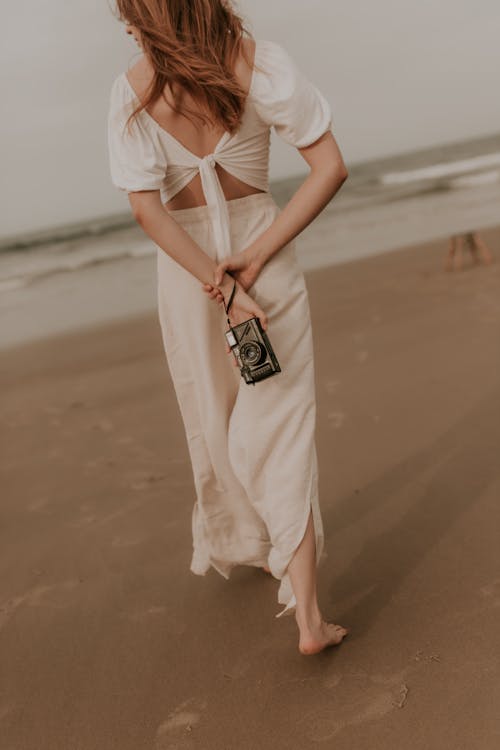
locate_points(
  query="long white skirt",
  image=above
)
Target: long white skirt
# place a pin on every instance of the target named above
(252, 447)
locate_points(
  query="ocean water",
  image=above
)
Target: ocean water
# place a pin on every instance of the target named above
(385, 203)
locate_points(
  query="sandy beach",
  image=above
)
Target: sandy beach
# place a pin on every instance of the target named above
(109, 642)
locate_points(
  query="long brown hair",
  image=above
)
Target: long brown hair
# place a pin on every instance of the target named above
(191, 45)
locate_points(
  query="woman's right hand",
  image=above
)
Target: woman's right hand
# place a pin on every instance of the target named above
(242, 306)
(244, 266)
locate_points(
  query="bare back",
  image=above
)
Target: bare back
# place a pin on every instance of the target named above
(200, 140)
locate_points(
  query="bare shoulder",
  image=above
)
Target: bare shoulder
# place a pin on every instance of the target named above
(244, 64)
(140, 75)
(248, 45)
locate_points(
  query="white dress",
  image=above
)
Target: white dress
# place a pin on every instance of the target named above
(252, 448)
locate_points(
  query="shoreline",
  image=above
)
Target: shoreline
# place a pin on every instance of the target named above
(465, 156)
(107, 285)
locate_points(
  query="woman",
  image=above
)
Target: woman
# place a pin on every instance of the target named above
(188, 135)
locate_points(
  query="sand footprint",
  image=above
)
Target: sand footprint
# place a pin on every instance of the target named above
(48, 595)
(38, 504)
(133, 541)
(378, 696)
(147, 481)
(336, 418)
(331, 385)
(171, 622)
(154, 609)
(492, 592)
(95, 518)
(179, 724)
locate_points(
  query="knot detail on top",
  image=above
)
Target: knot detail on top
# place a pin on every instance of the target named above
(279, 96)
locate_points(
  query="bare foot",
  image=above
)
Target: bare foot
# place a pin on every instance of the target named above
(313, 640)
(264, 567)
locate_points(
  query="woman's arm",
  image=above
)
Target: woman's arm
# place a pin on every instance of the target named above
(327, 175)
(172, 238)
(150, 214)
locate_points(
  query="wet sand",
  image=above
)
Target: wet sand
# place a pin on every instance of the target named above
(109, 641)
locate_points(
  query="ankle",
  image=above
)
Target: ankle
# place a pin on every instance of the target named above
(308, 619)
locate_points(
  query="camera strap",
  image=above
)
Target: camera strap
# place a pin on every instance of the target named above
(231, 297)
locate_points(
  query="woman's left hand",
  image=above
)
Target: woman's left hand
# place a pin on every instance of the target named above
(245, 267)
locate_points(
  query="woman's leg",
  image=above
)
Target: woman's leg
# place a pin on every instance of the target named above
(315, 633)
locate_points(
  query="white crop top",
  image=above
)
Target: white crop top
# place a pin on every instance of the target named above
(149, 158)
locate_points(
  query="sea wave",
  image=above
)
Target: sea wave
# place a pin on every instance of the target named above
(19, 270)
(462, 166)
(442, 169)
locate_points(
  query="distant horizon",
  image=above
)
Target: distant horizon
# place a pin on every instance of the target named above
(412, 159)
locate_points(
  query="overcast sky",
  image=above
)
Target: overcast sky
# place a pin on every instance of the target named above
(399, 75)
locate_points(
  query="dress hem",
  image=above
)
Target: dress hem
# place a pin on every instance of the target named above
(202, 559)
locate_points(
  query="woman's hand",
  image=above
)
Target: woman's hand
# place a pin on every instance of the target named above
(242, 306)
(245, 267)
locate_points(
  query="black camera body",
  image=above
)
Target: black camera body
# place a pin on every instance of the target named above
(252, 350)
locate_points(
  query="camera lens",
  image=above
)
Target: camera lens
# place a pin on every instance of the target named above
(252, 353)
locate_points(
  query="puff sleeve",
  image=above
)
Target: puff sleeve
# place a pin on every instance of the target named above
(286, 99)
(137, 159)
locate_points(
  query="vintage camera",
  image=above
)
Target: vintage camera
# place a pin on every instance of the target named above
(252, 350)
